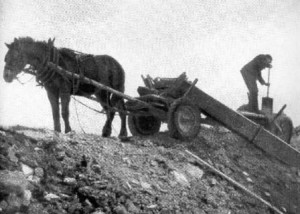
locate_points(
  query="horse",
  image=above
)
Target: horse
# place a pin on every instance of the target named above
(105, 69)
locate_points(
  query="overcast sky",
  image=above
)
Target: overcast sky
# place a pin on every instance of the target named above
(210, 40)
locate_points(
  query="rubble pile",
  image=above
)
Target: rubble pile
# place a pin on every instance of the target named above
(42, 172)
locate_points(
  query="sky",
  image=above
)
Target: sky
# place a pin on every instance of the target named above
(210, 40)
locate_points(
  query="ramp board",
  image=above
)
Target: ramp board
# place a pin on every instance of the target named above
(245, 128)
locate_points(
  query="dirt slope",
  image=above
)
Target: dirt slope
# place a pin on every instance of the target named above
(41, 172)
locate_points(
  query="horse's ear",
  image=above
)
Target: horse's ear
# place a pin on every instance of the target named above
(53, 40)
(50, 41)
(15, 40)
(8, 45)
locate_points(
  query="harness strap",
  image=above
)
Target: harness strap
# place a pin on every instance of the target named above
(45, 73)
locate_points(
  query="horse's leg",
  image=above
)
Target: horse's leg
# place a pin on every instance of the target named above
(65, 101)
(53, 96)
(104, 98)
(117, 101)
(65, 96)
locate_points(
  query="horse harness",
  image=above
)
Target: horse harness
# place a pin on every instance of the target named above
(45, 73)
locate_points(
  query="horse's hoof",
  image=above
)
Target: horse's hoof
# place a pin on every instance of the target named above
(68, 130)
(106, 132)
(105, 135)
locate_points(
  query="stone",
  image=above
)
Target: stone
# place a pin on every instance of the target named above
(194, 171)
(12, 154)
(145, 185)
(64, 196)
(213, 181)
(27, 170)
(14, 203)
(37, 149)
(97, 168)
(153, 163)
(127, 160)
(39, 172)
(3, 205)
(34, 179)
(120, 209)
(51, 196)
(87, 202)
(13, 182)
(70, 181)
(27, 197)
(131, 207)
(147, 143)
(74, 207)
(3, 133)
(249, 180)
(60, 155)
(245, 173)
(152, 206)
(180, 178)
(98, 212)
(36, 208)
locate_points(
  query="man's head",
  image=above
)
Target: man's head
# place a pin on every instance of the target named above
(268, 57)
(268, 60)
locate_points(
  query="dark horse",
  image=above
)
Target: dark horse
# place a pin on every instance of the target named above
(101, 68)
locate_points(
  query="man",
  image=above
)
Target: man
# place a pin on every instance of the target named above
(251, 72)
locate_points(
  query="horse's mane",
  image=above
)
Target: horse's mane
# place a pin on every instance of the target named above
(64, 52)
(25, 41)
(67, 52)
(28, 40)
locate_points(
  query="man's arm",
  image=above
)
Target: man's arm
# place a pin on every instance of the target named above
(261, 80)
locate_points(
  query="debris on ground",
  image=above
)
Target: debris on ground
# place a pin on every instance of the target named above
(42, 172)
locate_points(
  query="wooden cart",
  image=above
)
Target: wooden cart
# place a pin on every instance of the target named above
(181, 105)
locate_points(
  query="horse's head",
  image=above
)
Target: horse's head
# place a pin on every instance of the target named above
(25, 51)
(14, 61)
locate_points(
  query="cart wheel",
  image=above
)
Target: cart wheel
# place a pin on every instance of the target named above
(140, 125)
(184, 120)
(286, 125)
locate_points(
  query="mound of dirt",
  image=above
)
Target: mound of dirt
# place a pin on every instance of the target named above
(42, 172)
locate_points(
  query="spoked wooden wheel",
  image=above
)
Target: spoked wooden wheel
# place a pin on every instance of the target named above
(184, 120)
(143, 125)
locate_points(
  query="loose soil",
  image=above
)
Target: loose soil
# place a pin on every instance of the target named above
(44, 172)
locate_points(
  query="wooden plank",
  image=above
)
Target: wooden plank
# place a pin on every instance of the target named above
(246, 128)
(229, 118)
(274, 145)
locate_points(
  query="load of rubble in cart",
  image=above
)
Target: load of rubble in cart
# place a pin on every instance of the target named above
(184, 107)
